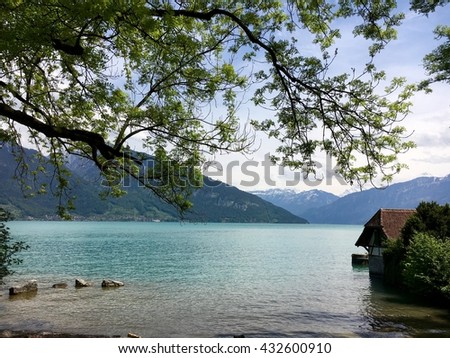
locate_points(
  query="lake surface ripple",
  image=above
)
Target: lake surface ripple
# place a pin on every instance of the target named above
(207, 280)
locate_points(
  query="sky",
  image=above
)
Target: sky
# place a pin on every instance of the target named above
(428, 123)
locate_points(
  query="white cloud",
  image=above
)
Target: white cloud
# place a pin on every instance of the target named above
(434, 140)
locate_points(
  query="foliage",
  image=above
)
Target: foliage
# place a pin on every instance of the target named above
(427, 266)
(8, 249)
(88, 77)
(421, 260)
(427, 6)
(430, 218)
(437, 63)
(393, 256)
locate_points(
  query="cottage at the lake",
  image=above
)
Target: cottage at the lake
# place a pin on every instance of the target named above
(386, 224)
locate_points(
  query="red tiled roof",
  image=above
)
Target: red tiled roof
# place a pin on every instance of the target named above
(389, 221)
(393, 220)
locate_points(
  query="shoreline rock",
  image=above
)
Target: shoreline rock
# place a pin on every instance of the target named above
(111, 283)
(29, 287)
(79, 283)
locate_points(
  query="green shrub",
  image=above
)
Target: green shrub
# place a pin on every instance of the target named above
(8, 248)
(393, 257)
(427, 266)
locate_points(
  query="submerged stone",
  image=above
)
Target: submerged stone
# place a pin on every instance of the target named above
(112, 283)
(60, 285)
(30, 286)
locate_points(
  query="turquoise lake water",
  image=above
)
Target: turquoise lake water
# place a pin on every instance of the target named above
(207, 280)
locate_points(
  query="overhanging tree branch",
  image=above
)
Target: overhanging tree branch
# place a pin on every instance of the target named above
(96, 141)
(91, 77)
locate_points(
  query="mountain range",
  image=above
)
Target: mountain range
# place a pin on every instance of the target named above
(214, 202)
(297, 203)
(357, 208)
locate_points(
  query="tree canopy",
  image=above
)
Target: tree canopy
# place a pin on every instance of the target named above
(430, 218)
(86, 77)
